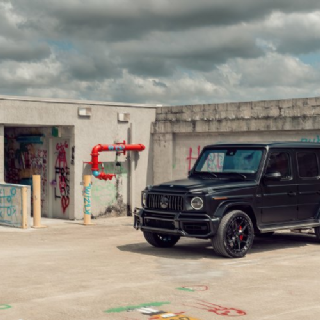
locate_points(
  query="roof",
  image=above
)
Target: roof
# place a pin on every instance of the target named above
(275, 144)
(80, 102)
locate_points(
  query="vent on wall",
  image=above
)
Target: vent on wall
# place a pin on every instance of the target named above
(123, 117)
(84, 112)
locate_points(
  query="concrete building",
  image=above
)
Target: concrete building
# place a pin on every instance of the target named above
(54, 138)
(179, 133)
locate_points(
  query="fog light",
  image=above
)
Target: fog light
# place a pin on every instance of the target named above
(197, 203)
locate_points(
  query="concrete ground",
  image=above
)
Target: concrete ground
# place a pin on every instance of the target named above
(107, 271)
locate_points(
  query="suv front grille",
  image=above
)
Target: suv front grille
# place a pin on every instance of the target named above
(165, 202)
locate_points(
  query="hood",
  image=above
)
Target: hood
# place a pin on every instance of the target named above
(192, 184)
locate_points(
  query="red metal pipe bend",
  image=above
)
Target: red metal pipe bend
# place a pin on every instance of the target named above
(120, 148)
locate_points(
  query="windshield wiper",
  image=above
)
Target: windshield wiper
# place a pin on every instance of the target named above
(213, 174)
(237, 173)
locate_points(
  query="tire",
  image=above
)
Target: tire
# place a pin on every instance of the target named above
(265, 235)
(235, 235)
(161, 240)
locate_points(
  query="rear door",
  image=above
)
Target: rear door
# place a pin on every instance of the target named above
(308, 183)
(279, 198)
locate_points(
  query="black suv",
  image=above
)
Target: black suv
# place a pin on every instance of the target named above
(233, 192)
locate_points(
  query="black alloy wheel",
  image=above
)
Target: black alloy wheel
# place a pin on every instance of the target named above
(235, 235)
(160, 240)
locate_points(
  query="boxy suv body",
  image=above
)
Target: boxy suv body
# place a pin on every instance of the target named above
(234, 192)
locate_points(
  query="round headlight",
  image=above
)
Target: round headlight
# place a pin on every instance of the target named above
(197, 203)
(144, 199)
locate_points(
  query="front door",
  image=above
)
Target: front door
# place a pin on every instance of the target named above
(60, 178)
(279, 198)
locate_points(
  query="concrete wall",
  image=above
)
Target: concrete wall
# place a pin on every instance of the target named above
(11, 205)
(101, 128)
(1, 153)
(179, 133)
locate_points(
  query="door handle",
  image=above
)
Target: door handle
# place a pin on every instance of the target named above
(292, 194)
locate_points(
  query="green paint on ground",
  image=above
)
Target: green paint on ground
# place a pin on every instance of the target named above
(185, 289)
(4, 306)
(143, 305)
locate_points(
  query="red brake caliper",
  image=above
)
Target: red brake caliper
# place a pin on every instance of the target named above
(241, 237)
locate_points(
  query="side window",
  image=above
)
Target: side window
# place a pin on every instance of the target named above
(280, 162)
(307, 165)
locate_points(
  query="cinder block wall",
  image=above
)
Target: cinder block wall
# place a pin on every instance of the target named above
(179, 133)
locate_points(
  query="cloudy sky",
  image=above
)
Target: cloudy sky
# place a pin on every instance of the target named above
(159, 51)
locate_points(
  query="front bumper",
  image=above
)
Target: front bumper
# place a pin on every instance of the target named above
(177, 223)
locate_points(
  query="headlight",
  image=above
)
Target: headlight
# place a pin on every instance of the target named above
(196, 203)
(144, 199)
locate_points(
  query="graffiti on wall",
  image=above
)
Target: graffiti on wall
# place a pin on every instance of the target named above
(62, 173)
(87, 199)
(8, 210)
(12, 165)
(314, 139)
(109, 199)
(104, 194)
(72, 155)
(192, 158)
(24, 159)
(39, 161)
(213, 163)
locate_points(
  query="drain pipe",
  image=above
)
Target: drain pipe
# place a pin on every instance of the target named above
(117, 147)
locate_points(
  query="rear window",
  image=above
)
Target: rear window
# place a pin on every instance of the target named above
(307, 164)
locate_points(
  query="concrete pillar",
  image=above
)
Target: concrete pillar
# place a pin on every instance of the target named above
(1, 153)
(24, 192)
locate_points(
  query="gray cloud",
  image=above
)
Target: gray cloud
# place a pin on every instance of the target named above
(168, 52)
(126, 19)
(23, 51)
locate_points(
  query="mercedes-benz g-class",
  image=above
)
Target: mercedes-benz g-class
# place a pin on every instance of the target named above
(234, 192)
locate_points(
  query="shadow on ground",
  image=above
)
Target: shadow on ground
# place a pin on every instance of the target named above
(199, 249)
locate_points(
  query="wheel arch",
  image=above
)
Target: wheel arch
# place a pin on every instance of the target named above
(243, 206)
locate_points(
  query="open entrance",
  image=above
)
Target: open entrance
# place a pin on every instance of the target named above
(44, 151)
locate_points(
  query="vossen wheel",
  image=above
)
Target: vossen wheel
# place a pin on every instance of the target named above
(161, 240)
(235, 235)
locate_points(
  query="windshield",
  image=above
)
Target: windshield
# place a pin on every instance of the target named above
(231, 160)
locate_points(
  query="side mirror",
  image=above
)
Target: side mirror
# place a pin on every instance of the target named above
(274, 176)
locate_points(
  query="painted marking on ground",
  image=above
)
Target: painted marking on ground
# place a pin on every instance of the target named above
(143, 305)
(217, 309)
(4, 306)
(194, 288)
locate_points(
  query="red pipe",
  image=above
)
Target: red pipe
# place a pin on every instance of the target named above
(118, 147)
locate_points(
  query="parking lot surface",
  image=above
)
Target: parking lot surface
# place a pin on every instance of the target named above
(108, 271)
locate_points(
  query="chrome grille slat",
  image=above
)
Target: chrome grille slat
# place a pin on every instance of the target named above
(175, 202)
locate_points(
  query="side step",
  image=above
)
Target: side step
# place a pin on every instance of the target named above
(291, 225)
